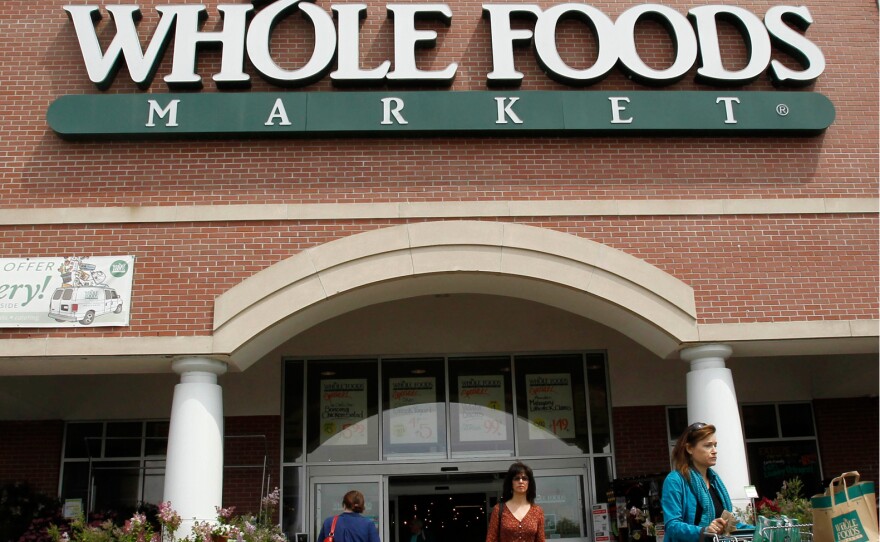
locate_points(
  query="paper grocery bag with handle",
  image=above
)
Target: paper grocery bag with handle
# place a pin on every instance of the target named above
(846, 512)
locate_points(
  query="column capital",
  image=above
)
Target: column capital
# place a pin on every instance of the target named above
(190, 367)
(706, 356)
(706, 351)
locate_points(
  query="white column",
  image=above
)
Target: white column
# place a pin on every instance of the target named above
(711, 398)
(194, 464)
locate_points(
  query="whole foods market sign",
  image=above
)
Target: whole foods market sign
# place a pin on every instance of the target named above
(247, 29)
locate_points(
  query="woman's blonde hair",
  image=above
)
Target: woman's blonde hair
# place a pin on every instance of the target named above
(681, 459)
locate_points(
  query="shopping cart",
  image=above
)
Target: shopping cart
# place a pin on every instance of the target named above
(735, 536)
(800, 532)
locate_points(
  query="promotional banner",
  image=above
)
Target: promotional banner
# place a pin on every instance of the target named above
(66, 291)
(413, 417)
(344, 412)
(481, 414)
(551, 413)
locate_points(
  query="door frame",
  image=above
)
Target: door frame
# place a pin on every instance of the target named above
(380, 472)
(314, 522)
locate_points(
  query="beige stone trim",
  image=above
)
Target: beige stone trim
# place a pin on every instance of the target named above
(105, 355)
(115, 355)
(452, 209)
(618, 287)
(805, 338)
(767, 331)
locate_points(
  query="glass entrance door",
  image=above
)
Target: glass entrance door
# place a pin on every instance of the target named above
(561, 494)
(327, 494)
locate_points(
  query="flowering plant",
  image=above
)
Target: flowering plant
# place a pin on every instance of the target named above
(260, 528)
(241, 528)
(788, 503)
(767, 508)
(168, 518)
(136, 529)
(228, 527)
(639, 517)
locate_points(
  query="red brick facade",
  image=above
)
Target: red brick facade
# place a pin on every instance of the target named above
(847, 434)
(250, 440)
(43, 171)
(640, 443)
(31, 452)
(824, 264)
(737, 265)
(850, 430)
(744, 268)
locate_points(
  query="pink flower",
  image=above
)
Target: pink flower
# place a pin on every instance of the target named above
(168, 516)
(225, 514)
(272, 499)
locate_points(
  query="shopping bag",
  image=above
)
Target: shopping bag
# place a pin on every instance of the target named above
(778, 529)
(846, 512)
(762, 534)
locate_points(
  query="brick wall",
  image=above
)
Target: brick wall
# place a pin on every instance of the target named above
(848, 436)
(848, 432)
(744, 268)
(250, 440)
(738, 266)
(640, 442)
(31, 452)
(42, 170)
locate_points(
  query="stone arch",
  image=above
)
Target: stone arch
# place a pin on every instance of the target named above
(583, 277)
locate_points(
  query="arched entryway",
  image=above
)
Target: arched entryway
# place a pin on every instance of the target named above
(397, 270)
(556, 269)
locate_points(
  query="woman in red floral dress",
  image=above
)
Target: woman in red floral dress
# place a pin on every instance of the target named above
(521, 519)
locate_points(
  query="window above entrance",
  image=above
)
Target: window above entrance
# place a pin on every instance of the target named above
(446, 408)
(413, 409)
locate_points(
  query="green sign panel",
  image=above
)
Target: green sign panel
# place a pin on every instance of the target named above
(398, 114)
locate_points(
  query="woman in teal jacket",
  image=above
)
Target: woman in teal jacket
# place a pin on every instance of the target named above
(694, 496)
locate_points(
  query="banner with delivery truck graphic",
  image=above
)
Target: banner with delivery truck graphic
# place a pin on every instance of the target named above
(68, 291)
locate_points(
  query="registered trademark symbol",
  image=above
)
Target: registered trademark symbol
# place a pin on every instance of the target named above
(782, 110)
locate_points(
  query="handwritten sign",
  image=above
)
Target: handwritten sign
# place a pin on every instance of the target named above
(551, 413)
(413, 418)
(344, 412)
(481, 415)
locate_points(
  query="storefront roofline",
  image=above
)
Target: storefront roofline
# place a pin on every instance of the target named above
(144, 355)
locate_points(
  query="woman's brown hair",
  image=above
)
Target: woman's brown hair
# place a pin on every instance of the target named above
(519, 468)
(681, 459)
(354, 501)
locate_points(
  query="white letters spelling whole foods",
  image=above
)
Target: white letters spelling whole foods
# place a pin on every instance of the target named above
(246, 33)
